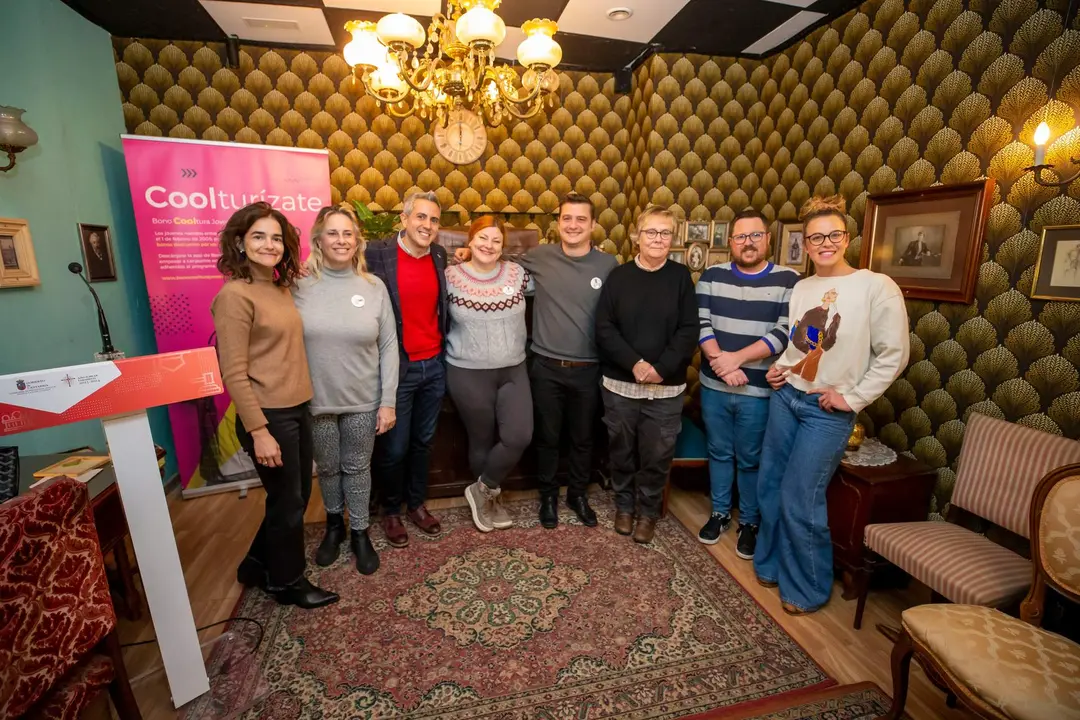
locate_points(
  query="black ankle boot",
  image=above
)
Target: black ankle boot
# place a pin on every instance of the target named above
(304, 595)
(331, 542)
(549, 511)
(367, 560)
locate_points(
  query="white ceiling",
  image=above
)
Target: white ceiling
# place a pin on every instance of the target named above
(271, 23)
(589, 17)
(409, 7)
(788, 29)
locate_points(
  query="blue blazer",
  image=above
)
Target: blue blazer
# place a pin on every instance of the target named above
(381, 257)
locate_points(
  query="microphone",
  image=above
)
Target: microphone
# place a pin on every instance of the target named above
(103, 324)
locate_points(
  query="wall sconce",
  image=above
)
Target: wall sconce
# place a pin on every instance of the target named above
(15, 136)
(1042, 136)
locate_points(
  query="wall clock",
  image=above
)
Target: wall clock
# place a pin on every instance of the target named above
(464, 138)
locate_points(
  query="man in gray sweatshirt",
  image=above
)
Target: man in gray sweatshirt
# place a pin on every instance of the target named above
(565, 370)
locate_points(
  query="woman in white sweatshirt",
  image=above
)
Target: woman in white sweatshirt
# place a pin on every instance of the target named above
(849, 342)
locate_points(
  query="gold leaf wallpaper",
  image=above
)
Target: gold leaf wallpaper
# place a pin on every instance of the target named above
(892, 95)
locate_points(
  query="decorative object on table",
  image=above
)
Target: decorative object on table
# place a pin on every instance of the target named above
(108, 352)
(678, 256)
(18, 266)
(97, 250)
(719, 234)
(716, 257)
(452, 65)
(375, 226)
(858, 434)
(696, 256)
(790, 251)
(870, 453)
(463, 139)
(15, 135)
(73, 466)
(9, 473)
(697, 231)
(1057, 268)
(929, 240)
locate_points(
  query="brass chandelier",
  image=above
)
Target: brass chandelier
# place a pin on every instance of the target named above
(452, 64)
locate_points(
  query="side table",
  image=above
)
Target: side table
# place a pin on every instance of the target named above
(859, 496)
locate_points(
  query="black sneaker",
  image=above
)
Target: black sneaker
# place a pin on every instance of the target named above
(747, 541)
(717, 525)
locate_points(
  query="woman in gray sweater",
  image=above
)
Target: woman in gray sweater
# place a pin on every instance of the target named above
(351, 341)
(485, 354)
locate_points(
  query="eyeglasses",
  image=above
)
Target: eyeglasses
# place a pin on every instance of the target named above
(652, 234)
(835, 236)
(748, 237)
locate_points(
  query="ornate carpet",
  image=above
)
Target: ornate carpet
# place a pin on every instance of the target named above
(863, 701)
(528, 624)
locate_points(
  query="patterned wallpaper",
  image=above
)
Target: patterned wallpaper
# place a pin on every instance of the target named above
(894, 94)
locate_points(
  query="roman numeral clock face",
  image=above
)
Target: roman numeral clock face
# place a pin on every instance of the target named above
(464, 138)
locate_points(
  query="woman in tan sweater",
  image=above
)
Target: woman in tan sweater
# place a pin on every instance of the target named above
(260, 341)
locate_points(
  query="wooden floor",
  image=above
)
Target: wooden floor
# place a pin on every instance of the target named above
(213, 532)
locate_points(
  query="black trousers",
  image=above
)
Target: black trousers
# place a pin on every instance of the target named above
(564, 397)
(279, 544)
(642, 444)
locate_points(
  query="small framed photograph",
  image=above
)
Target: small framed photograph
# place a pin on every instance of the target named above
(97, 250)
(680, 233)
(18, 266)
(718, 256)
(1057, 269)
(719, 234)
(678, 256)
(790, 250)
(929, 240)
(698, 231)
(697, 254)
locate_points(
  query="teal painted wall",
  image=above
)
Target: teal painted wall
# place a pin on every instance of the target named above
(66, 81)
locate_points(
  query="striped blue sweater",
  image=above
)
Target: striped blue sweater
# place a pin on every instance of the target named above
(738, 310)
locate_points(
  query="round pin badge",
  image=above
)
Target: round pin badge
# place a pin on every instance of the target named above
(596, 283)
(507, 290)
(358, 301)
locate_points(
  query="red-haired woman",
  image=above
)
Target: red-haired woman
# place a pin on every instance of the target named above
(485, 354)
(260, 341)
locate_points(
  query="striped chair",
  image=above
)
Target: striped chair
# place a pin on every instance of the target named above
(1000, 465)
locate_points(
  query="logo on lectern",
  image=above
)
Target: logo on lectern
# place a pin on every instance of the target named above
(20, 384)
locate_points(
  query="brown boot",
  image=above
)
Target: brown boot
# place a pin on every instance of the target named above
(481, 500)
(644, 530)
(624, 523)
(395, 531)
(424, 520)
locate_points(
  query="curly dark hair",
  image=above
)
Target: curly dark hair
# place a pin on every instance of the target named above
(234, 265)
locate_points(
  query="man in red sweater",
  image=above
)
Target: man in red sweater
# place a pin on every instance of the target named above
(413, 268)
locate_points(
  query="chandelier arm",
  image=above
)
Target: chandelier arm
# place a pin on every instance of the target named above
(405, 112)
(536, 106)
(403, 70)
(386, 99)
(1038, 169)
(532, 95)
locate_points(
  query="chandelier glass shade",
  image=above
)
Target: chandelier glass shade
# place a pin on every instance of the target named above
(410, 70)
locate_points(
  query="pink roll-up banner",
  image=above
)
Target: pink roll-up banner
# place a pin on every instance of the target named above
(184, 191)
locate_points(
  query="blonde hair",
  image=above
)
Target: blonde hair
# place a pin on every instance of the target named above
(315, 261)
(821, 206)
(654, 211)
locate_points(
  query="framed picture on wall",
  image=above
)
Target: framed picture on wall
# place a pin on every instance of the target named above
(678, 256)
(718, 255)
(697, 255)
(697, 231)
(790, 251)
(929, 240)
(719, 234)
(18, 266)
(97, 251)
(1057, 269)
(680, 232)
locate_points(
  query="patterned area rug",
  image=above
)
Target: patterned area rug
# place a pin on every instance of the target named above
(524, 623)
(864, 701)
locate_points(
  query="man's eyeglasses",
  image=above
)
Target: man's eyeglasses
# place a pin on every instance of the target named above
(748, 237)
(836, 236)
(652, 234)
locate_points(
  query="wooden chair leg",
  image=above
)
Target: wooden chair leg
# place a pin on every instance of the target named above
(901, 667)
(862, 587)
(120, 688)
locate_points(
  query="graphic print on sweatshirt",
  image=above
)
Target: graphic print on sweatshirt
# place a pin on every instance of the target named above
(815, 334)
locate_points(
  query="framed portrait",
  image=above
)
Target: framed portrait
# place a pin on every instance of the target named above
(718, 255)
(97, 251)
(697, 231)
(680, 231)
(719, 234)
(790, 251)
(18, 266)
(678, 256)
(1057, 269)
(697, 254)
(929, 240)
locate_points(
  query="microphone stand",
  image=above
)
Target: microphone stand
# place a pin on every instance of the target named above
(108, 352)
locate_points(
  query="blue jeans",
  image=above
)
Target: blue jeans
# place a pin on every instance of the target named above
(803, 447)
(403, 453)
(735, 429)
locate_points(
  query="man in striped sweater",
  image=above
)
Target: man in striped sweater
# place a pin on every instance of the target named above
(743, 308)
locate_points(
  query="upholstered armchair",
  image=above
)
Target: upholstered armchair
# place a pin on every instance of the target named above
(58, 642)
(1000, 465)
(995, 665)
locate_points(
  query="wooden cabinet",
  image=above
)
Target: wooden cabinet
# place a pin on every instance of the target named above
(860, 496)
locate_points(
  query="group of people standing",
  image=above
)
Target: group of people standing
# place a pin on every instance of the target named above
(342, 362)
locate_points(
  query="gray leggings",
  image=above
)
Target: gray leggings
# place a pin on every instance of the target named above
(493, 404)
(343, 456)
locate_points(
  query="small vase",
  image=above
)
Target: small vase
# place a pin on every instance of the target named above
(858, 434)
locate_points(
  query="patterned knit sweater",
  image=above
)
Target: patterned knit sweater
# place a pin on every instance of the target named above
(487, 316)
